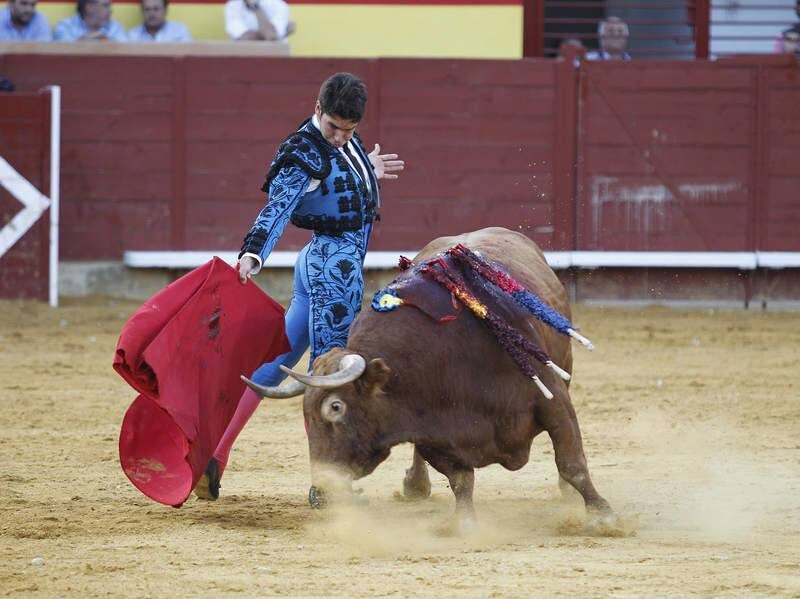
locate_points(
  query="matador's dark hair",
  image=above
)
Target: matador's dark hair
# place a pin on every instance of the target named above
(343, 95)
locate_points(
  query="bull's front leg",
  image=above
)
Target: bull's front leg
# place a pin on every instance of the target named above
(462, 483)
(417, 483)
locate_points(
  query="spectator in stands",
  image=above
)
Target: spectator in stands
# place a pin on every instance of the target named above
(19, 21)
(93, 22)
(572, 41)
(789, 41)
(156, 28)
(258, 20)
(566, 48)
(613, 34)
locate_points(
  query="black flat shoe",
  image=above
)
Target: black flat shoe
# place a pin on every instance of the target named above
(208, 486)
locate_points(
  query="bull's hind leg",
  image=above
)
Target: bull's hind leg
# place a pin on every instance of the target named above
(417, 483)
(567, 490)
(558, 418)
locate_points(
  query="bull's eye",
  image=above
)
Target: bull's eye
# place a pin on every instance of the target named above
(333, 409)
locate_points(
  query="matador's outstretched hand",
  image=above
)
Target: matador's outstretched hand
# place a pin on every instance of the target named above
(385, 165)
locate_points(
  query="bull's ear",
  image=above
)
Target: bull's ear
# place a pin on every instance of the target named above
(377, 374)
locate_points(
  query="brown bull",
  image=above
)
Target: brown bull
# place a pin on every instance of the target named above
(448, 388)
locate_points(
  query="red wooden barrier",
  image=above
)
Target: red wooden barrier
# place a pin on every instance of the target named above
(170, 152)
(778, 158)
(25, 145)
(698, 156)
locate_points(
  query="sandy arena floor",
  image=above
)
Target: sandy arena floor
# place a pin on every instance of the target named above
(691, 424)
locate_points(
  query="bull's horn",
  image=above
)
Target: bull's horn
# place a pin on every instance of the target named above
(350, 368)
(291, 389)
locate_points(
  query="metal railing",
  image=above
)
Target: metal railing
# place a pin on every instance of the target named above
(749, 26)
(663, 29)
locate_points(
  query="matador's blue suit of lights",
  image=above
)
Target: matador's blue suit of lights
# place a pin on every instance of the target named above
(316, 186)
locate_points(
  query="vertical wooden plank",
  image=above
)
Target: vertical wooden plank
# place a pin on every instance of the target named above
(42, 228)
(761, 150)
(24, 143)
(759, 191)
(178, 204)
(565, 157)
(372, 122)
(702, 27)
(533, 28)
(780, 210)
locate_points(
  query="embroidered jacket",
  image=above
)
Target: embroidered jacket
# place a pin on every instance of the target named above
(341, 202)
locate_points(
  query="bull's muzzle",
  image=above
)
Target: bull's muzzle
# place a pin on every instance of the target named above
(316, 498)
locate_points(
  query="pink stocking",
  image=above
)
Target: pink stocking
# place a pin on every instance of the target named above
(247, 406)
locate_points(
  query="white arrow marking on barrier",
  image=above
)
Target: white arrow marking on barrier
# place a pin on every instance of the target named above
(33, 200)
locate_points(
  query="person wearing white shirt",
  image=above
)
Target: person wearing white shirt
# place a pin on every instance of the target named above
(266, 20)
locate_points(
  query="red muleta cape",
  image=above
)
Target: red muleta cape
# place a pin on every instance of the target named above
(183, 351)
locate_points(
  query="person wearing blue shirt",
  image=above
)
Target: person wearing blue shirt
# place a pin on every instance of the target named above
(155, 27)
(92, 23)
(19, 21)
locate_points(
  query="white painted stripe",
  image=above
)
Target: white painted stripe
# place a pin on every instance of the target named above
(169, 259)
(740, 260)
(778, 259)
(55, 176)
(34, 202)
(557, 260)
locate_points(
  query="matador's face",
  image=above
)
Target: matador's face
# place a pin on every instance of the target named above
(336, 130)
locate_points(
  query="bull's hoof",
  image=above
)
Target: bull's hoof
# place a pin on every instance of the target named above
(316, 498)
(467, 524)
(358, 498)
(416, 490)
(208, 486)
(605, 523)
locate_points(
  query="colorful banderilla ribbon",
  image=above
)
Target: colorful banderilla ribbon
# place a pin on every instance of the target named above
(522, 296)
(512, 341)
(509, 338)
